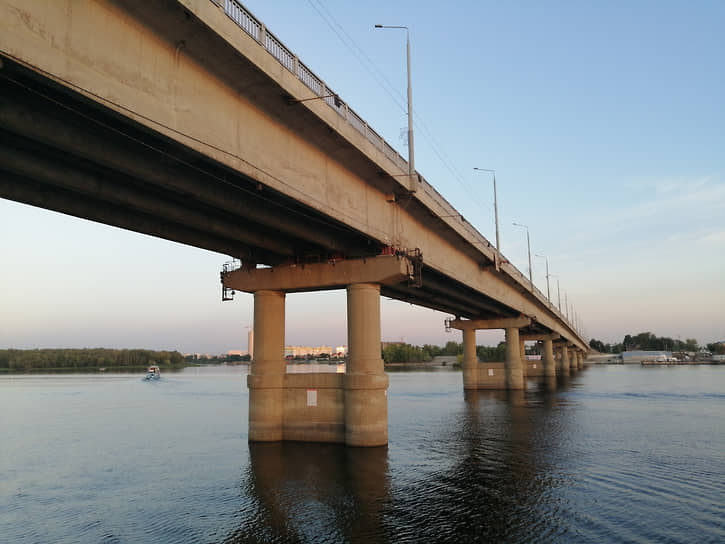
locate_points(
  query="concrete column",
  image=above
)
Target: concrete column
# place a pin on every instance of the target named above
(547, 358)
(580, 360)
(366, 384)
(522, 350)
(565, 361)
(470, 360)
(266, 376)
(572, 360)
(513, 367)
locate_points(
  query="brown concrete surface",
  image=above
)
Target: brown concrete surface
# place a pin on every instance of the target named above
(365, 382)
(267, 371)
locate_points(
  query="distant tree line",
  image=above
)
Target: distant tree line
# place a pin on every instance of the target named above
(648, 342)
(407, 353)
(60, 359)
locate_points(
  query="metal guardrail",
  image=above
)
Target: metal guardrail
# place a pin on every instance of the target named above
(256, 29)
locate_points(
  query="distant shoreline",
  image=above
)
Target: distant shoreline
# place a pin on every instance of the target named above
(90, 370)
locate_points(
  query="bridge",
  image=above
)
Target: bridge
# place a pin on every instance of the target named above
(191, 121)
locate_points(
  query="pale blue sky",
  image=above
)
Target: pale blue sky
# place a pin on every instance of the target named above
(604, 120)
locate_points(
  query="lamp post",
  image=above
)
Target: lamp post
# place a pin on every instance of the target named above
(570, 315)
(495, 206)
(548, 292)
(558, 293)
(411, 153)
(528, 243)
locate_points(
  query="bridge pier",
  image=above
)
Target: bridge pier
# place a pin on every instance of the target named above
(548, 358)
(564, 360)
(547, 368)
(513, 366)
(549, 363)
(572, 360)
(522, 350)
(266, 376)
(350, 408)
(497, 375)
(365, 382)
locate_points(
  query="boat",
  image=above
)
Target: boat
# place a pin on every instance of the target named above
(153, 373)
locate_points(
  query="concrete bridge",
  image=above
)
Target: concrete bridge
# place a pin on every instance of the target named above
(190, 121)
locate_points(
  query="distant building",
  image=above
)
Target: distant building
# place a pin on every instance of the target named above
(639, 356)
(304, 351)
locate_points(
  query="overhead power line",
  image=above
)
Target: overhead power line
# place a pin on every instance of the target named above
(396, 96)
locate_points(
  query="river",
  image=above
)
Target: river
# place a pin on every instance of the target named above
(616, 454)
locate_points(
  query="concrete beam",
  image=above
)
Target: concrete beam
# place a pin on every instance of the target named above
(502, 323)
(114, 190)
(23, 190)
(539, 337)
(320, 276)
(75, 138)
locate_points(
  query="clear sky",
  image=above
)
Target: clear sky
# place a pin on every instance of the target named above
(605, 122)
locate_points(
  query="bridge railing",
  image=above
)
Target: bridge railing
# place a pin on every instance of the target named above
(256, 29)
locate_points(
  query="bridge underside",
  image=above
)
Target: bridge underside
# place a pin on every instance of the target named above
(63, 151)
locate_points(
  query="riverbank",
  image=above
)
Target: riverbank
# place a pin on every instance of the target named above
(680, 363)
(92, 370)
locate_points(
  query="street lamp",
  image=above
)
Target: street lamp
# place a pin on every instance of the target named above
(558, 292)
(411, 154)
(548, 293)
(495, 206)
(528, 243)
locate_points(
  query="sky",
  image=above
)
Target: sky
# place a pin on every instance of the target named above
(604, 121)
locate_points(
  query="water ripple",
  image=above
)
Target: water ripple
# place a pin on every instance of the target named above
(612, 456)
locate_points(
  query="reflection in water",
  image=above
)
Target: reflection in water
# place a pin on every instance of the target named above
(548, 383)
(492, 489)
(314, 493)
(484, 476)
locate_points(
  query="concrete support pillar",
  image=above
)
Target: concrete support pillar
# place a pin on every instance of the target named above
(572, 360)
(365, 384)
(266, 376)
(580, 360)
(513, 366)
(547, 358)
(470, 360)
(565, 361)
(522, 350)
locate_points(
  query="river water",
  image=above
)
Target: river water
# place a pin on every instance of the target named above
(616, 454)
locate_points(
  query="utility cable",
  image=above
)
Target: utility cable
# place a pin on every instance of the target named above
(372, 69)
